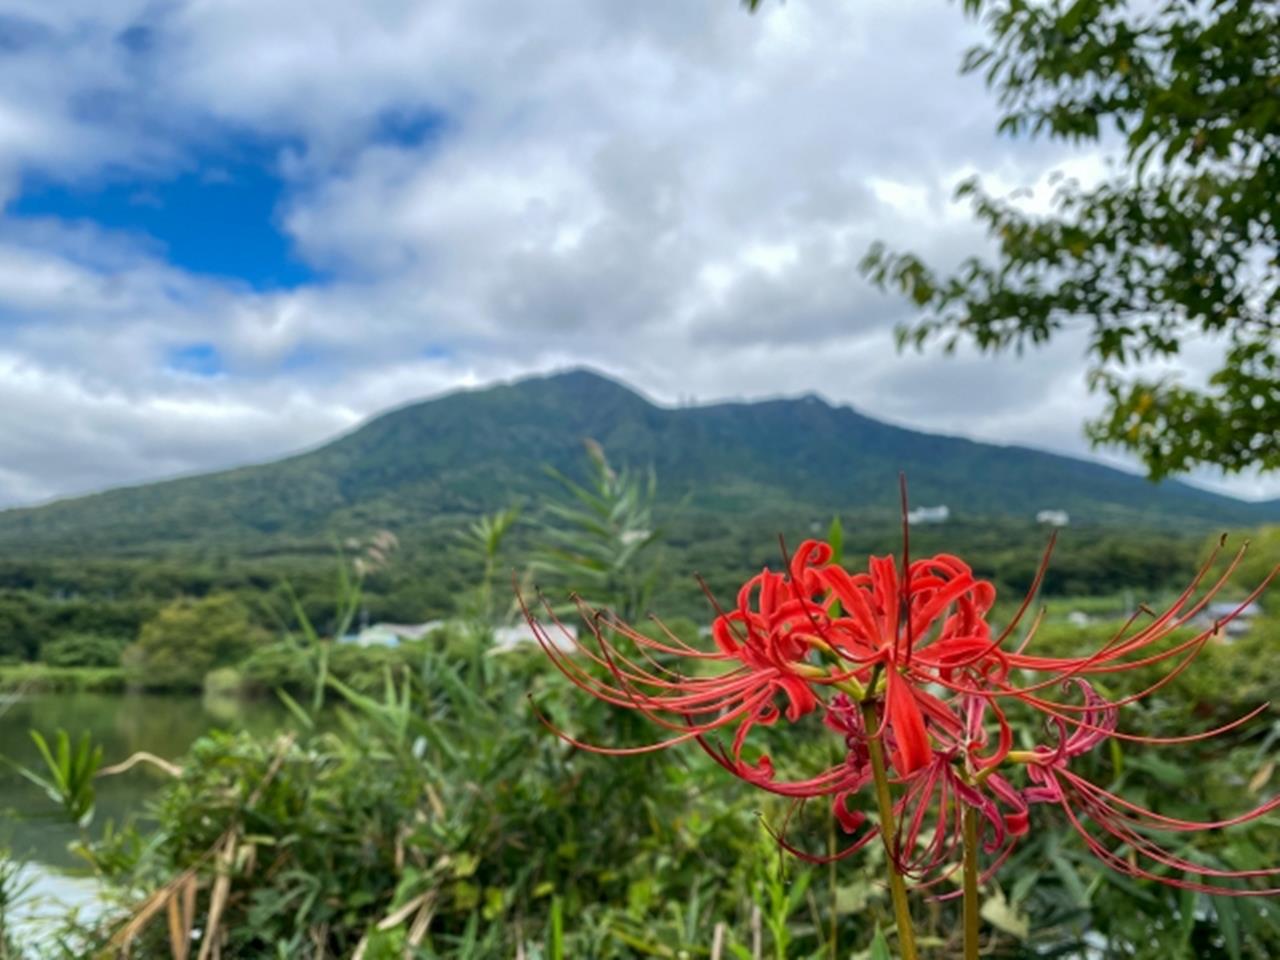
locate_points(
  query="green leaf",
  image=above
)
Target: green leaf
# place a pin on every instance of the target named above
(295, 709)
(835, 537)
(879, 947)
(1186, 917)
(1070, 879)
(557, 929)
(1228, 923)
(71, 771)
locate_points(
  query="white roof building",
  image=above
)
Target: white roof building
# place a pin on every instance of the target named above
(1216, 612)
(391, 634)
(1054, 518)
(561, 635)
(938, 514)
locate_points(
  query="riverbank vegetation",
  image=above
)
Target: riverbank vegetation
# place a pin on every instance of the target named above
(31, 678)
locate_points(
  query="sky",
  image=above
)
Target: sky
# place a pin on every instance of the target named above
(231, 230)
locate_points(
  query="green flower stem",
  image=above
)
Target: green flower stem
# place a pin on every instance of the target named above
(897, 888)
(970, 884)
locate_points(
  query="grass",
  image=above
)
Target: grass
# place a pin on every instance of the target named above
(42, 678)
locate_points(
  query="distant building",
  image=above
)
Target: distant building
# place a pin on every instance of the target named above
(1216, 613)
(391, 634)
(938, 514)
(561, 635)
(1054, 518)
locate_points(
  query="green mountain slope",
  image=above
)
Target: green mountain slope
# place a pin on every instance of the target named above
(478, 450)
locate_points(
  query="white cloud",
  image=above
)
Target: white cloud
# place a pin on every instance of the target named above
(677, 193)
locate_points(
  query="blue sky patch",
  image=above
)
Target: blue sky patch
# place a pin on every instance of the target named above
(409, 127)
(218, 216)
(137, 39)
(199, 359)
(19, 33)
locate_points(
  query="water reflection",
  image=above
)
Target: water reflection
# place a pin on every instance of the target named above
(123, 724)
(47, 898)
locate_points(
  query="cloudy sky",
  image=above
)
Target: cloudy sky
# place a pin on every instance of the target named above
(231, 229)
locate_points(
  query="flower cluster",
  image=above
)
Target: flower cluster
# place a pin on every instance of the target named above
(901, 658)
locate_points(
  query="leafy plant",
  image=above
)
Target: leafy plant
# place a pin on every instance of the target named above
(599, 536)
(483, 538)
(69, 772)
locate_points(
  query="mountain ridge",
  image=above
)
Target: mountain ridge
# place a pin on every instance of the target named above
(476, 449)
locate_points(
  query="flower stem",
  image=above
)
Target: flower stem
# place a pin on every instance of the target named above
(897, 888)
(970, 884)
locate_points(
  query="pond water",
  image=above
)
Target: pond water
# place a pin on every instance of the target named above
(123, 724)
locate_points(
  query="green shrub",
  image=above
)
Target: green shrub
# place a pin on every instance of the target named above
(187, 639)
(446, 792)
(83, 650)
(365, 668)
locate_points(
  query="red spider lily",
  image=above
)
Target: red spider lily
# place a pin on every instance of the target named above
(986, 675)
(766, 646)
(960, 777)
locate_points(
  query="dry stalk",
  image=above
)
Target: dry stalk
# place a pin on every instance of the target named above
(177, 898)
(142, 756)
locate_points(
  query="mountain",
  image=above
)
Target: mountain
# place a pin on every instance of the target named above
(477, 450)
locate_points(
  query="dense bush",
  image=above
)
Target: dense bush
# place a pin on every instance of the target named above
(187, 639)
(82, 650)
(20, 628)
(444, 799)
(275, 666)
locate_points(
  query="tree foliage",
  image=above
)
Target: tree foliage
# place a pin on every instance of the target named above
(82, 650)
(188, 638)
(1179, 244)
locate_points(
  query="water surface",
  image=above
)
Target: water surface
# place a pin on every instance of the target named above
(123, 724)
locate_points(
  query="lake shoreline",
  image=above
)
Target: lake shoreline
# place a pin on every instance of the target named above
(25, 678)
